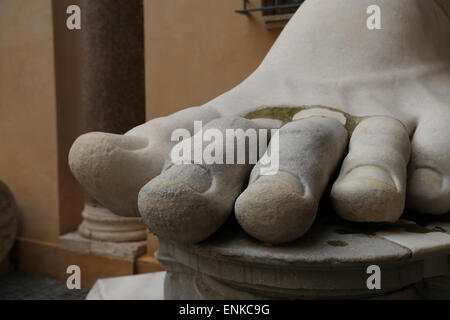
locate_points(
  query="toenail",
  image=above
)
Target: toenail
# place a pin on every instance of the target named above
(282, 178)
(427, 180)
(194, 176)
(370, 173)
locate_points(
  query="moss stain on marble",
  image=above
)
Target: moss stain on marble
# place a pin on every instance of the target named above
(285, 114)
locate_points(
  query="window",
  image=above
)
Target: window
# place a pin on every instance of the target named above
(276, 13)
(280, 6)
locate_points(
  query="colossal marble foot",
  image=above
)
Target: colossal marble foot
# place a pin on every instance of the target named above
(394, 82)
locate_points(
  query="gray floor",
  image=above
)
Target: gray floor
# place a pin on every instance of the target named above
(22, 286)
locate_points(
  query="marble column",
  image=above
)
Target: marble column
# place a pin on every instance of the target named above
(113, 97)
(113, 79)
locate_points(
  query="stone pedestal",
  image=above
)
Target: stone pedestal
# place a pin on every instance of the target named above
(331, 261)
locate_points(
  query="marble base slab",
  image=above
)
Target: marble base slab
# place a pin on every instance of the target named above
(149, 286)
(421, 244)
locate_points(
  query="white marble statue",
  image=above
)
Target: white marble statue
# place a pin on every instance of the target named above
(384, 129)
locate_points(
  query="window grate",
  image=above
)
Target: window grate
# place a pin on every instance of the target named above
(277, 6)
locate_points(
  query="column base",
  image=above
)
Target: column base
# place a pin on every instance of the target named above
(105, 233)
(101, 224)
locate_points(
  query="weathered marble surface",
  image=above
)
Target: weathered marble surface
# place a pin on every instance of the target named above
(282, 207)
(372, 178)
(189, 202)
(9, 221)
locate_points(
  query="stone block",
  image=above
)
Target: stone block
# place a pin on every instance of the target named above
(127, 250)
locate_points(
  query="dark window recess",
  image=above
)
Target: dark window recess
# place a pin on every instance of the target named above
(271, 7)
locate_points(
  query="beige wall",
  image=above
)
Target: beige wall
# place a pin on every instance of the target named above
(70, 116)
(198, 49)
(28, 156)
(40, 116)
(195, 50)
